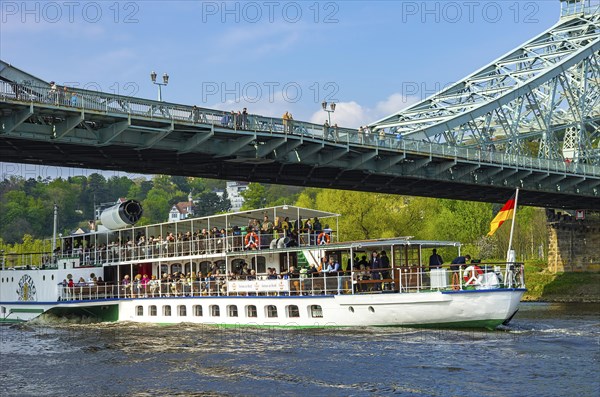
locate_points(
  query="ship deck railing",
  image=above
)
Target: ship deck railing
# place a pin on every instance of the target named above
(114, 253)
(405, 279)
(196, 247)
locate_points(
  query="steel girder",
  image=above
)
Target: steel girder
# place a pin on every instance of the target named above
(541, 99)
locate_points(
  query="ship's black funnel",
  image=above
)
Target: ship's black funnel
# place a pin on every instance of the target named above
(122, 215)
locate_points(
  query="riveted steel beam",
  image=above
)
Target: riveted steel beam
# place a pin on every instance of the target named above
(68, 125)
(270, 146)
(108, 134)
(231, 147)
(196, 140)
(9, 123)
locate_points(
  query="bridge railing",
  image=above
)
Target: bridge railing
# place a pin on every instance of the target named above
(169, 112)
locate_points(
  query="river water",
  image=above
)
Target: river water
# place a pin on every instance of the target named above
(548, 350)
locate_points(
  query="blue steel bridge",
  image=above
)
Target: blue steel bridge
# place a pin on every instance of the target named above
(530, 119)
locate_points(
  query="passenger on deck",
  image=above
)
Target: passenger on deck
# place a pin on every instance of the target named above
(272, 274)
(317, 229)
(144, 285)
(126, 283)
(363, 262)
(375, 266)
(294, 276)
(154, 284)
(312, 271)
(334, 269)
(459, 260)
(323, 265)
(435, 260)
(365, 275)
(385, 264)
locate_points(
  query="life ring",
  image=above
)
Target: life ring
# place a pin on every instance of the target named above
(323, 238)
(471, 275)
(251, 240)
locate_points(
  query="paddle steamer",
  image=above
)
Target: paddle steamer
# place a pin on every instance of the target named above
(220, 270)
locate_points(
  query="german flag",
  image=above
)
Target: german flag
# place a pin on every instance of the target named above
(506, 213)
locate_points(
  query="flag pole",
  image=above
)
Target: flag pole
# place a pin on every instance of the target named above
(510, 256)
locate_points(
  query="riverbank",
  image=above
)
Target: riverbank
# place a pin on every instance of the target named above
(544, 286)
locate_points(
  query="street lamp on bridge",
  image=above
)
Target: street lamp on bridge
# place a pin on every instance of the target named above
(330, 110)
(165, 82)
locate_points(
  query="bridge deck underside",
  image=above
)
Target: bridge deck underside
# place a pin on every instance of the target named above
(157, 161)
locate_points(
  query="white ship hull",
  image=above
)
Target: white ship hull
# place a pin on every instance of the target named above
(488, 308)
(210, 281)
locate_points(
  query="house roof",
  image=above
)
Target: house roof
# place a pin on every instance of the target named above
(183, 206)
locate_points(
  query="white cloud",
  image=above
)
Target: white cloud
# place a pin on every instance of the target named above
(353, 115)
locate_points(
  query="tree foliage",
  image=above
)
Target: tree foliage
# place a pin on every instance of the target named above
(27, 207)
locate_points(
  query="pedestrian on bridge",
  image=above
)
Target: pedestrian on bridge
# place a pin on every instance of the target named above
(326, 129)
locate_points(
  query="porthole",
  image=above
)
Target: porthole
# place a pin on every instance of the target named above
(232, 311)
(197, 310)
(53, 277)
(315, 311)
(292, 311)
(251, 311)
(351, 309)
(271, 311)
(371, 309)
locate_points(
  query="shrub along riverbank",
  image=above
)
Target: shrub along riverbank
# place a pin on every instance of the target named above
(545, 286)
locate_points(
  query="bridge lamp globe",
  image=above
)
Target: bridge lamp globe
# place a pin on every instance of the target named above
(324, 104)
(332, 107)
(153, 76)
(166, 79)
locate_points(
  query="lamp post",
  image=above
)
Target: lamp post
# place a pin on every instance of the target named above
(165, 82)
(330, 110)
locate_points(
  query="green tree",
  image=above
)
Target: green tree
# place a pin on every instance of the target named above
(209, 203)
(254, 197)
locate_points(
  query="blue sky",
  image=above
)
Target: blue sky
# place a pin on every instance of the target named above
(372, 57)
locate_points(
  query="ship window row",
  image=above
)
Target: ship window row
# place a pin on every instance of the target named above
(250, 311)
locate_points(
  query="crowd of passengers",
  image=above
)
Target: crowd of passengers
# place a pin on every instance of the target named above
(214, 280)
(180, 283)
(256, 235)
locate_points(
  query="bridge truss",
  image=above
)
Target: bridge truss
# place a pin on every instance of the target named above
(539, 100)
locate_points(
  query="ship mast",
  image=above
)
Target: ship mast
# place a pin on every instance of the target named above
(55, 227)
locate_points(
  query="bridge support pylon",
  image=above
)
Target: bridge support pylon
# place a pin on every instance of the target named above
(574, 245)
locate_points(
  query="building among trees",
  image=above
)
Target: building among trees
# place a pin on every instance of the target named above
(182, 210)
(234, 193)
